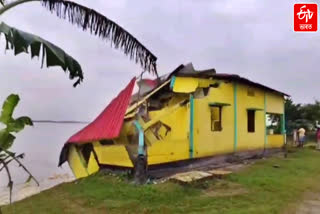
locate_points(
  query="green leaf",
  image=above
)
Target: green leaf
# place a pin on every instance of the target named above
(8, 107)
(6, 139)
(19, 124)
(25, 120)
(2, 2)
(21, 41)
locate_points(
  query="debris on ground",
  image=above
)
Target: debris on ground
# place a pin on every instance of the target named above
(188, 177)
(219, 173)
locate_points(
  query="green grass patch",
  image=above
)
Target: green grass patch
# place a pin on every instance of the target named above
(260, 188)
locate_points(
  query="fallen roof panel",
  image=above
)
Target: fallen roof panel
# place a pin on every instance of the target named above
(109, 123)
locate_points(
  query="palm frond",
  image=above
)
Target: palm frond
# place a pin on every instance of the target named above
(97, 24)
(21, 41)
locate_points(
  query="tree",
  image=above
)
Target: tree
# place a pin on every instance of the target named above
(298, 115)
(7, 137)
(293, 111)
(311, 112)
(83, 17)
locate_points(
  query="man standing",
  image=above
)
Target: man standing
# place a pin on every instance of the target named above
(302, 135)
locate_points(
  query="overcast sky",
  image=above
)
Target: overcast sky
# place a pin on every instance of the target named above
(252, 38)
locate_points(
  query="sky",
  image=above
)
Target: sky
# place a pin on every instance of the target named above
(252, 38)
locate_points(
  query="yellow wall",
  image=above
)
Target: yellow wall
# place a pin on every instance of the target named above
(275, 103)
(207, 142)
(174, 146)
(275, 141)
(93, 166)
(250, 140)
(77, 166)
(116, 155)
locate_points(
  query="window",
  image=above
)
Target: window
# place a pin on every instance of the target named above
(274, 123)
(216, 115)
(251, 120)
(216, 118)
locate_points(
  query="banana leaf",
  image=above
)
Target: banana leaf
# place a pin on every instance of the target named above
(12, 125)
(6, 139)
(20, 42)
(18, 124)
(8, 107)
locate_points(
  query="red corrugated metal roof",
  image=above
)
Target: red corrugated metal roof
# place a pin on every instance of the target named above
(108, 124)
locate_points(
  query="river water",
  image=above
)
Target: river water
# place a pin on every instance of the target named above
(42, 145)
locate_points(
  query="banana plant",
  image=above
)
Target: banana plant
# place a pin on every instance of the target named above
(7, 137)
(85, 18)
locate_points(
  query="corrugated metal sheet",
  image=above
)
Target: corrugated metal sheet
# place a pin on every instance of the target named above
(238, 78)
(109, 123)
(145, 86)
(188, 71)
(212, 73)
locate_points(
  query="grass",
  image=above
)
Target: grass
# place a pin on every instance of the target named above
(260, 188)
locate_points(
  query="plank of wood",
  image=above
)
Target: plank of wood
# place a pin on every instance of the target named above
(188, 177)
(219, 173)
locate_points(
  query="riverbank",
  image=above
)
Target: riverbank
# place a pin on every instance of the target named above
(272, 185)
(24, 190)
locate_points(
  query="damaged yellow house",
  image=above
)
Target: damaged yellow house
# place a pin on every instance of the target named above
(184, 115)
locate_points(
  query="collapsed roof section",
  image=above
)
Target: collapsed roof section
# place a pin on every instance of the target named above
(163, 85)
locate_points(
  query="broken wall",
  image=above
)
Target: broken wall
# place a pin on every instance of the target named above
(174, 144)
(206, 141)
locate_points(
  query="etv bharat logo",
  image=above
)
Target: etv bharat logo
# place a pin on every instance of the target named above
(305, 17)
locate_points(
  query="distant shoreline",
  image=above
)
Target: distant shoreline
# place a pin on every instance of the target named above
(60, 121)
